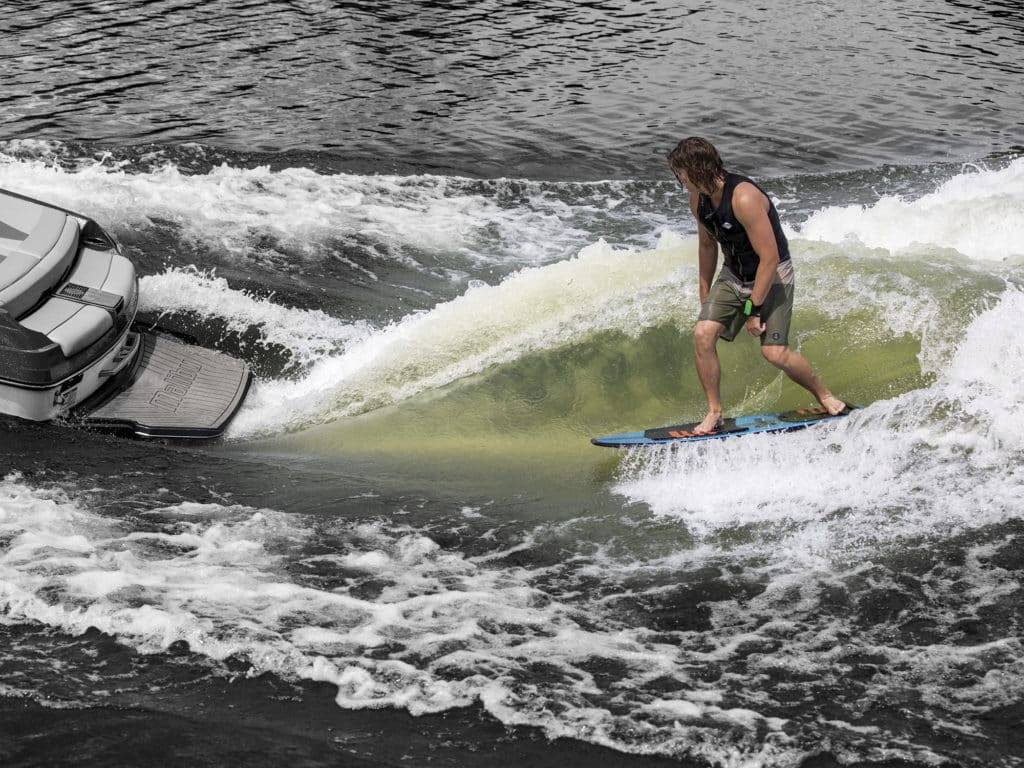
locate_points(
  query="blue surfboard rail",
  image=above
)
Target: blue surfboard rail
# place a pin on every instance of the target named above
(782, 421)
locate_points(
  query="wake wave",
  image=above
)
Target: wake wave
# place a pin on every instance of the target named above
(425, 222)
(978, 214)
(308, 335)
(533, 310)
(863, 287)
(883, 473)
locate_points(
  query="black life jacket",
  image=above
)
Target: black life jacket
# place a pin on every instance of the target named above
(721, 222)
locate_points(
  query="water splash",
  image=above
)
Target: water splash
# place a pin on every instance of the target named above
(978, 213)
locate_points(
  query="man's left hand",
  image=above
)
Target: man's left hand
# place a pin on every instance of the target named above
(755, 327)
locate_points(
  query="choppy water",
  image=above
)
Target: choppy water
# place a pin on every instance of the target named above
(524, 89)
(444, 238)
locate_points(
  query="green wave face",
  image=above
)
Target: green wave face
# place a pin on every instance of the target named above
(615, 353)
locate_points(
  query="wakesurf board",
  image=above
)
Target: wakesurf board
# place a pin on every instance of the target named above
(782, 421)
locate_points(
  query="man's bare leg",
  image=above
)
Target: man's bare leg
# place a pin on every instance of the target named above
(794, 365)
(709, 371)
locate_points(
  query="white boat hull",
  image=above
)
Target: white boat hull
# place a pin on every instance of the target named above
(68, 299)
(53, 401)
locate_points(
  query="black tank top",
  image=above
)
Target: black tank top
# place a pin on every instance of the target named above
(721, 222)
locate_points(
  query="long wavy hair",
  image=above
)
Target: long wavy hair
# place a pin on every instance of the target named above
(699, 158)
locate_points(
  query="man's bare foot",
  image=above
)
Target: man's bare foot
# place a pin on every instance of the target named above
(711, 423)
(833, 405)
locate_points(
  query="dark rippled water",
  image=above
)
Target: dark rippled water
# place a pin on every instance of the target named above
(552, 89)
(444, 237)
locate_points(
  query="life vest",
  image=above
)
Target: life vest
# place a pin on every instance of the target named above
(721, 222)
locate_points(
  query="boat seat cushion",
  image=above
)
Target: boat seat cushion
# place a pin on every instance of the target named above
(32, 266)
(105, 271)
(72, 325)
(28, 226)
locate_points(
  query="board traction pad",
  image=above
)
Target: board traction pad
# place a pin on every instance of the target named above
(690, 430)
(795, 416)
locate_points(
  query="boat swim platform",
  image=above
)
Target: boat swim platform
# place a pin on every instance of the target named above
(175, 390)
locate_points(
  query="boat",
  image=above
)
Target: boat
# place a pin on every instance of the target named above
(70, 349)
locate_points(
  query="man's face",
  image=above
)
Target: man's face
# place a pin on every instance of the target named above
(684, 180)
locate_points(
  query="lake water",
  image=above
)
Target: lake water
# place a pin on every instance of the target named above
(444, 236)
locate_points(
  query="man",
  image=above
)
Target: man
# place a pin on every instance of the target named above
(755, 285)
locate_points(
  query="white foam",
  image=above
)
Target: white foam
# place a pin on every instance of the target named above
(216, 577)
(227, 579)
(978, 213)
(309, 334)
(305, 213)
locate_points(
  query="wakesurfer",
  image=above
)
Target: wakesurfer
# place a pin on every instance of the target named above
(754, 288)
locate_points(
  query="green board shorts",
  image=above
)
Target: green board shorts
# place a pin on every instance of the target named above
(724, 304)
